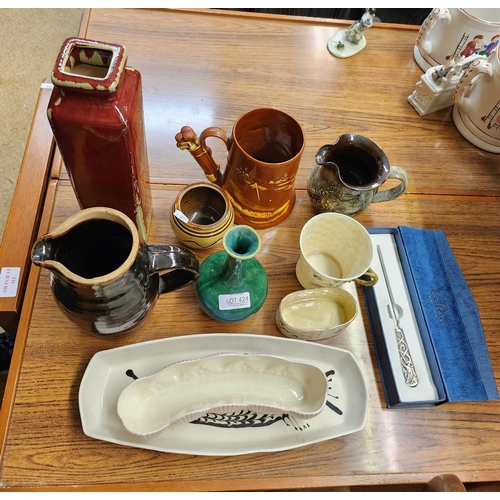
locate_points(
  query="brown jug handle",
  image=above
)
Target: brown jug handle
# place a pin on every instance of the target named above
(187, 139)
(179, 265)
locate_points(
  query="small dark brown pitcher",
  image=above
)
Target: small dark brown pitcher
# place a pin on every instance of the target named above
(264, 151)
(103, 276)
(349, 174)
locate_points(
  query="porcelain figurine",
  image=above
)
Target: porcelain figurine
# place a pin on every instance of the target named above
(435, 89)
(348, 42)
(233, 284)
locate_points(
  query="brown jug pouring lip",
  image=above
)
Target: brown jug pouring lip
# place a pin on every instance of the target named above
(104, 277)
(359, 163)
(348, 176)
(264, 151)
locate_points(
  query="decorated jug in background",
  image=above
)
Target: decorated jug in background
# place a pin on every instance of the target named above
(449, 34)
(476, 112)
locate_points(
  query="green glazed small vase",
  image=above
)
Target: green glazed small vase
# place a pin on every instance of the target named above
(233, 284)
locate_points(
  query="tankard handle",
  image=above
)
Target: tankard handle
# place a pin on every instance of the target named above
(187, 139)
(179, 265)
(423, 35)
(396, 191)
(467, 82)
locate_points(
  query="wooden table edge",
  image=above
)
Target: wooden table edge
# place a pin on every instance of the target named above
(293, 483)
(23, 328)
(27, 202)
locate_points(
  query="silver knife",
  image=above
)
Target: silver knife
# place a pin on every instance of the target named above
(409, 373)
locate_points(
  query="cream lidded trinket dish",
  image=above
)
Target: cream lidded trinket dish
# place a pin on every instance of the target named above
(221, 383)
(316, 314)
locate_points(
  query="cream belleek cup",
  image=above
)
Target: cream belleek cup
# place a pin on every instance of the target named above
(334, 249)
(452, 33)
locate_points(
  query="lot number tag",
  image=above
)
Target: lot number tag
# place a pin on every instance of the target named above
(234, 301)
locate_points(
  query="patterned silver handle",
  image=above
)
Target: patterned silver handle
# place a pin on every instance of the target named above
(407, 367)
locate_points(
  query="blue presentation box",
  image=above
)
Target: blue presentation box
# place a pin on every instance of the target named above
(439, 317)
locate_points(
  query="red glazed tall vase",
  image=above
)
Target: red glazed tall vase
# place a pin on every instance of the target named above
(96, 115)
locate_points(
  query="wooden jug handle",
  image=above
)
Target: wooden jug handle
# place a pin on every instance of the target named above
(187, 139)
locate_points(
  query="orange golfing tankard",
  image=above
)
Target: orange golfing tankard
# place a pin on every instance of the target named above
(263, 158)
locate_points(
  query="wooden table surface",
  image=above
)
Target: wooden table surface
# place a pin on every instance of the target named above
(208, 68)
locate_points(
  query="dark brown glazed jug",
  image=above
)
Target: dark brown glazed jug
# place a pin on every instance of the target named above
(349, 174)
(104, 277)
(264, 151)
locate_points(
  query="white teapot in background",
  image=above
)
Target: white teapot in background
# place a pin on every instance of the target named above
(450, 33)
(476, 112)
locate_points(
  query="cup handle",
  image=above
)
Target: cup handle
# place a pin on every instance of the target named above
(370, 273)
(423, 35)
(187, 139)
(396, 191)
(466, 83)
(180, 266)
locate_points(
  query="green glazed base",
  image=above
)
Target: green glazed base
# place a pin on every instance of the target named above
(244, 285)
